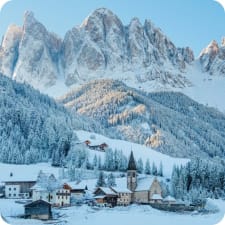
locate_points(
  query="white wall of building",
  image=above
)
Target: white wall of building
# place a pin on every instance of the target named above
(59, 197)
(12, 191)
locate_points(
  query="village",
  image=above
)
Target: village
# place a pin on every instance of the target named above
(45, 192)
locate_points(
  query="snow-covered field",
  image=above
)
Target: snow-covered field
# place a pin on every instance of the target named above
(207, 89)
(131, 215)
(140, 151)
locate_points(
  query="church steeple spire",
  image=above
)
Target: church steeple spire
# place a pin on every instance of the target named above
(131, 173)
(131, 164)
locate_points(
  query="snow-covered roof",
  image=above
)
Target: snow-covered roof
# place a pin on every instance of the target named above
(24, 172)
(19, 178)
(156, 197)
(169, 198)
(38, 187)
(144, 184)
(107, 191)
(99, 196)
(121, 190)
(77, 186)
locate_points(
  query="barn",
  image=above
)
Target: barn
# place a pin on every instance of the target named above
(39, 209)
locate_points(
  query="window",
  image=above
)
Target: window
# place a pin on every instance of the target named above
(14, 195)
(10, 189)
(14, 189)
(9, 195)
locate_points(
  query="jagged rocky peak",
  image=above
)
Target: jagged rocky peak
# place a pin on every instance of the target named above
(100, 23)
(212, 58)
(28, 19)
(12, 36)
(212, 49)
(9, 49)
(102, 15)
(223, 41)
(100, 47)
(187, 53)
(33, 27)
(33, 57)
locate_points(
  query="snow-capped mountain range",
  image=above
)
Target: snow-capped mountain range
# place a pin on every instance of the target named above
(138, 54)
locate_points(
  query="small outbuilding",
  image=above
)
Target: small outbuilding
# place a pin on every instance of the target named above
(169, 200)
(105, 195)
(156, 198)
(39, 209)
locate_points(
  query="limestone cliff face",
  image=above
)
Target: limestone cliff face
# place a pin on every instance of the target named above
(212, 58)
(100, 47)
(30, 53)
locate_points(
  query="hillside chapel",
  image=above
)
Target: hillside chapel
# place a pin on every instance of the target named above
(144, 190)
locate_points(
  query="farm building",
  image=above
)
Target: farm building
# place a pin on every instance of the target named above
(104, 195)
(18, 186)
(38, 210)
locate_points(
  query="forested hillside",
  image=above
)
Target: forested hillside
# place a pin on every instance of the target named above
(169, 122)
(35, 128)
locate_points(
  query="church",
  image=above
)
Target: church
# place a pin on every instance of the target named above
(144, 190)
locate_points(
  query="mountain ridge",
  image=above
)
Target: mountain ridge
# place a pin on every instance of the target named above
(169, 122)
(100, 45)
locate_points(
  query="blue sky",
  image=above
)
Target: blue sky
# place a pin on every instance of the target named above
(191, 23)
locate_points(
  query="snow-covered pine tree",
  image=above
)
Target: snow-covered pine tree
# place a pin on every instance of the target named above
(165, 189)
(95, 161)
(147, 167)
(72, 172)
(111, 181)
(174, 181)
(154, 169)
(99, 163)
(160, 171)
(101, 180)
(109, 164)
(140, 165)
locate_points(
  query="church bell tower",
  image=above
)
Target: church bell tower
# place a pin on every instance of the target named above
(131, 173)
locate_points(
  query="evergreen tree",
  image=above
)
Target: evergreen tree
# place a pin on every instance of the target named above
(165, 189)
(95, 161)
(174, 181)
(99, 163)
(109, 160)
(72, 173)
(160, 172)
(111, 181)
(101, 180)
(140, 165)
(147, 167)
(154, 169)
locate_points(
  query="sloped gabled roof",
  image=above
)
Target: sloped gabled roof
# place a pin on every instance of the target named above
(40, 201)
